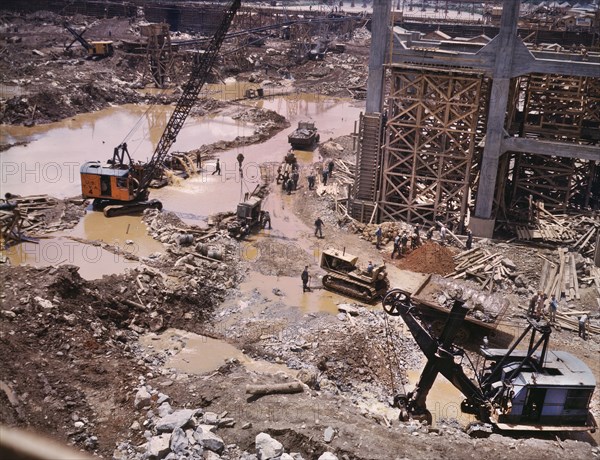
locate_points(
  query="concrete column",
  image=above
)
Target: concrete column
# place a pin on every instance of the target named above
(379, 36)
(505, 47)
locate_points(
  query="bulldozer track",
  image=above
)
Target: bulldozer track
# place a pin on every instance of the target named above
(350, 288)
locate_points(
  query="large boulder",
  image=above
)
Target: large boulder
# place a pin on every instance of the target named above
(179, 441)
(178, 419)
(328, 456)
(143, 398)
(209, 440)
(267, 447)
(158, 447)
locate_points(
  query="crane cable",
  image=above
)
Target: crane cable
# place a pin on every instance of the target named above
(176, 74)
(392, 356)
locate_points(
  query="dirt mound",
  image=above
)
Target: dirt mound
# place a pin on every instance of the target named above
(429, 258)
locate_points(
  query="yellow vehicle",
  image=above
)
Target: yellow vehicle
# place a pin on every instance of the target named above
(95, 49)
(100, 49)
(344, 276)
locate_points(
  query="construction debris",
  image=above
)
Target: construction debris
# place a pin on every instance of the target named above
(24, 217)
(487, 268)
(578, 231)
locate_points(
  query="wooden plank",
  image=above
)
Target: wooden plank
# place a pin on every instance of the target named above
(575, 282)
(561, 271)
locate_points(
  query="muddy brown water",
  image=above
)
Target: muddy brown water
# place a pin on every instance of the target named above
(93, 261)
(126, 234)
(288, 290)
(198, 354)
(50, 164)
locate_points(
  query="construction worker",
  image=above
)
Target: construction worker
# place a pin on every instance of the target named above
(370, 268)
(414, 241)
(318, 225)
(289, 186)
(330, 166)
(267, 219)
(284, 180)
(553, 308)
(540, 305)
(443, 231)
(378, 236)
(295, 177)
(396, 246)
(305, 276)
(325, 173)
(430, 233)
(404, 241)
(532, 304)
(311, 180)
(217, 168)
(469, 242)
(584, 321)
(240, 159)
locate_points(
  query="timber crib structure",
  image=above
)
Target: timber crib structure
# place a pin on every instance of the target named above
(470, 131)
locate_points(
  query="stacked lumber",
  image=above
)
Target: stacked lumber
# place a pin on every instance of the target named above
(560, 278)
(33, 203)
(343, 172)
(488, 268)
(577, 231)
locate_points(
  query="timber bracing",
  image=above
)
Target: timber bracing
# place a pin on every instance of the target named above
(560, 108)
(433, 138)
(432, 130)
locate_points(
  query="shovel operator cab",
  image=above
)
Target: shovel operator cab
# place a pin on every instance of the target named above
(121, 185)
(523, 387)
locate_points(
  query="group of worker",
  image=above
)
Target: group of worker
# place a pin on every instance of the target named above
(400, 244)
(537, 310)
(289, 180)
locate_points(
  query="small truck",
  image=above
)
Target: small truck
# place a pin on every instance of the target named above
(304, 137)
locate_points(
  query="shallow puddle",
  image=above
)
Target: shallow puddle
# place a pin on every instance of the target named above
(93, 261)
(199, 354)
(289, 291)
(128, 233)
(443, 400)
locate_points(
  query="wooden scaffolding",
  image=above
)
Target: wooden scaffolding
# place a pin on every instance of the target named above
(159, 51)
(435, 122)
(559, 108)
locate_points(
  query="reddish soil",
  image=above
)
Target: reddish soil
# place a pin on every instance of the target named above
(429, 258)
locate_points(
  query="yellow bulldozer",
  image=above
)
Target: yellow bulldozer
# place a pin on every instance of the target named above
(346, 277)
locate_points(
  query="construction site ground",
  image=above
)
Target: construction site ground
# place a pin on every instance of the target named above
(74, 352)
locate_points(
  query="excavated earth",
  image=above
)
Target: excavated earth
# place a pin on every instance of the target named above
(71, 353)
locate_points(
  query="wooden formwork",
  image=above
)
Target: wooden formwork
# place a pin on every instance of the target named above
(368, 163)
(559, 108)
(435, 119)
